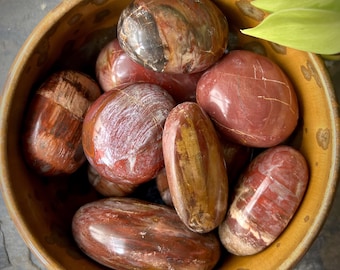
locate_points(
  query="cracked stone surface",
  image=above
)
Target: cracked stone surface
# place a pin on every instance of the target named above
(17, 20)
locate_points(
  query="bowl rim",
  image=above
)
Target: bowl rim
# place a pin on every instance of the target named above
(5, 186)
(33, 39)
(332, 184)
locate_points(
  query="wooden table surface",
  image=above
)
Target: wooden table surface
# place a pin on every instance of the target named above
(17, 19)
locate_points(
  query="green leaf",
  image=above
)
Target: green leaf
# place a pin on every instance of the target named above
(277, 5)
(312, 30)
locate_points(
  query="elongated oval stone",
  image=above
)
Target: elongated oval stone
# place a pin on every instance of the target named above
(125, 233)
(195, 167)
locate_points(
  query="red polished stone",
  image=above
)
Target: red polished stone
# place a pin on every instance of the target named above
(124, 233)
(116, 70)
(109, 187)
(236, 157)
(122, 132)
(250, 99)
(163, 187)
(266, 199)
(53, 123)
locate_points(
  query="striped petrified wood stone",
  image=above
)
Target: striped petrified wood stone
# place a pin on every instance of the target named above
(266, 199)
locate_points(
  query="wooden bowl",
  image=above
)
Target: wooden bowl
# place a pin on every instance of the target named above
(70, 36)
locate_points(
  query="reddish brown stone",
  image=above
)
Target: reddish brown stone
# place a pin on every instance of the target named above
(53, 126)
(250, 99)
(173, 36)
(122, 132)
(124, 233)
(195, 167)
(267, 197)
(108, 187)
(163, 187)
(116, 70)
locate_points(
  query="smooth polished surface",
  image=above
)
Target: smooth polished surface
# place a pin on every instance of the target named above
(17, 20)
